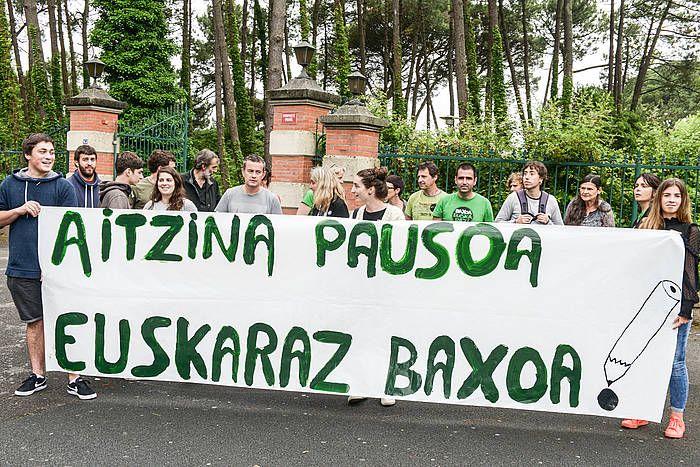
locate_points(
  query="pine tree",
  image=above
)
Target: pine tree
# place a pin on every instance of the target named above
(304, 20)
(244, 111)
(498, 87)
(342, 53)
(137, 57)
(260, 19)
(11, 115)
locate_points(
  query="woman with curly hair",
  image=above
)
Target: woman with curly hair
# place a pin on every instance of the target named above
(588, 208)
(169, 193)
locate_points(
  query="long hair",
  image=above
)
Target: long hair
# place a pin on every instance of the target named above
(178, 196)
(577, 212)
(655, 219)
(327, 188)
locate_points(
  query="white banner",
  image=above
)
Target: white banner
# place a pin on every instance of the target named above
(562, 319)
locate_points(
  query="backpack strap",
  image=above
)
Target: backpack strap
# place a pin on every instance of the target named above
(544, 197)
(523, 201)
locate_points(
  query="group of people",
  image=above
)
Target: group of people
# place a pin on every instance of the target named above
(663, 206)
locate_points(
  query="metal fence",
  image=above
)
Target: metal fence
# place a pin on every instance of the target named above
(618, 172)
(12, 159)
(165, 129)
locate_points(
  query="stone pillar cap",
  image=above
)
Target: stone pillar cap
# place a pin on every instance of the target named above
(303, 88)
(94, 97)
(354, 114)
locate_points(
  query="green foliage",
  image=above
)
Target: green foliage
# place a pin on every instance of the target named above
(498, 87)
(57, 85)
(260, 19)
(684, 138)
(11, 114)
(42, 97)
(304, 20)
(473, 83)
(342, 53)
(136, 49)
(566, 95)
(244, 112)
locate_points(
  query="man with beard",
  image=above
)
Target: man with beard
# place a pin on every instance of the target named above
(464, 205)
(84, 180)
(200, 186)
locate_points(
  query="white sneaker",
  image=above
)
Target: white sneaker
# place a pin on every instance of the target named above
(352, 400)
(387, 402)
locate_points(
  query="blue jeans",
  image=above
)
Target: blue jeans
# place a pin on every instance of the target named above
(679, 374)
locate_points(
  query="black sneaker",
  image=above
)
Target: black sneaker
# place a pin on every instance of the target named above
(31, 385)
(82, 389)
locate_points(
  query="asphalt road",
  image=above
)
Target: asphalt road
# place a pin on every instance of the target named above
(154, 423)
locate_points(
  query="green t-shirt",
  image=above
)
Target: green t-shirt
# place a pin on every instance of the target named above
(308, 199)
(420, 206)
(454, 208)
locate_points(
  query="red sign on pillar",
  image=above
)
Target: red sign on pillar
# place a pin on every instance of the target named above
(289, 118)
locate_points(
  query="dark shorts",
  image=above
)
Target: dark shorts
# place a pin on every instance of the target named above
(26, 293)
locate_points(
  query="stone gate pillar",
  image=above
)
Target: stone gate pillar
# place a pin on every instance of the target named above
(93, 120)
(296, 107)
(352, 141)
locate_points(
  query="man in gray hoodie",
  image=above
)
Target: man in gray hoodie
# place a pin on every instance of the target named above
(117, 194)
(85, 181)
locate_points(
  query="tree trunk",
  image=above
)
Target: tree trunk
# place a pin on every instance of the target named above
(363, 36)
(185, 71)
(611, 48)
(386, 55)
(526, 63)
(460, 58)
(287, 52)
(30, 14)
(18, 59)
(71, 50)
(399, 107)
(554, 90)
(473, 84)
(617, 80)
(62, 44)
(218, 109)
(244, 35)
(84, 32)
(511, 66)
(412, 65)
(251, 56)
(647, 57)
(567, 83)
(493, 24)
(450, 66)
(229, 99)
(274, 72)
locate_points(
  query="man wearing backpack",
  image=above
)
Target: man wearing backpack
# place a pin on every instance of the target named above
(532, 204)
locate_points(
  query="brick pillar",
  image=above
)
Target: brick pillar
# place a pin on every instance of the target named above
(296, 109)
(352, 141)
(93, 120)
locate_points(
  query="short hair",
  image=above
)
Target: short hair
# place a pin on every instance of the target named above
(84, 149)
(538, 167)
(160, 158)
(254, 158)
(430, 165)
(466, 166)
(128, 160)
(204, 158)
(396, 181)
(32, 140)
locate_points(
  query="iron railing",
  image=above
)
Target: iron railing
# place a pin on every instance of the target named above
(617, 171)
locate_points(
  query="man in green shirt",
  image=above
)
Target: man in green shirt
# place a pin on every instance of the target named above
(421, 203)
(464, 205)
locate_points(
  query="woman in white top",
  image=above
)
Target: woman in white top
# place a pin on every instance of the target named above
(169, 193)
(369, 186)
